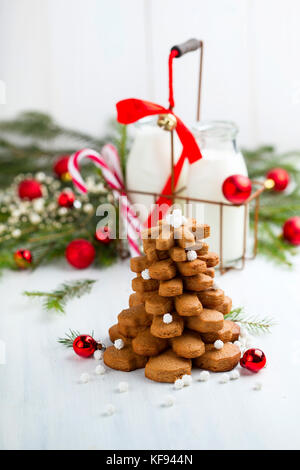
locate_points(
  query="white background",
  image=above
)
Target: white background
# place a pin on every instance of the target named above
(76, 58)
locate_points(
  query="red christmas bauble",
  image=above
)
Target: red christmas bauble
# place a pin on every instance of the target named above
(277, 179)
(84, 345)
(237, 188)
(291, 230)
(23, 258)
(60, 168)
(102, 235)
(254, 360)
(80, 253)
(29, 189)
(66, 199)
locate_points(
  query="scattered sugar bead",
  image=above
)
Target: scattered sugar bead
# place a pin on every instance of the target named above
(167, 318)
(98, 355)
(123, 387)
(110, 409)
(178, 384)
(204, 376)
(215, 286)
(100, 370)
(224, 379)
(119, 344)
(243, 332)
(234, 374)
(218, 344)
(145, 274)
(169, 401)
(257, 386)
(238, 344)
(191, 255)
(187, 380)
(84, 378)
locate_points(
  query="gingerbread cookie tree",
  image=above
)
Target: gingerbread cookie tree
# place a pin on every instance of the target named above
(176, 314)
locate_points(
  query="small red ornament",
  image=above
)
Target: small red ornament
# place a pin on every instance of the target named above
(60, 168)
(29, 189)
(291, 230)
(23, 258)
(254, 360)
(277, 179)
(80, 253)
(102, 235)
(84, 345)
(66, 199)
(237, 188)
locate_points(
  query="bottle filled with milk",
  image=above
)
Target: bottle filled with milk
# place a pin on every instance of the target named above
(221, 158)
(149, 163)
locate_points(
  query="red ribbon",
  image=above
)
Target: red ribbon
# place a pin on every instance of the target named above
(131, 110)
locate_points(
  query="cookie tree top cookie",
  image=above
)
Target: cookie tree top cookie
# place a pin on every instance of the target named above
(175, 318)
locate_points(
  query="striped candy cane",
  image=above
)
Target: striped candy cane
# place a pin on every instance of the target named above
(109, 163)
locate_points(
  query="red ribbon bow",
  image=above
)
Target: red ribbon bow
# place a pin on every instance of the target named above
(131, 110)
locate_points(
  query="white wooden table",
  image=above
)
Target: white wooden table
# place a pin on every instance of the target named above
(42, 405)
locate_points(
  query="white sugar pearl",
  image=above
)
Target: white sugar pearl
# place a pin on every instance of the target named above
(146, 275)
(176, 219)
(177, 213)
(191, 255)
(224, 379)
(215, 286)
(218, 344)
(119, 344)
(123, 387)
(100, 370)
(178, 384)
(167, 318)
(98, 354)
(110, 409)
(84, 378)
(257, 386)
(234, 374)
(77, 204)
(238, 344)
(177, 222)
(204, 376)
(243, 332)
(169, 401)
(187, 380)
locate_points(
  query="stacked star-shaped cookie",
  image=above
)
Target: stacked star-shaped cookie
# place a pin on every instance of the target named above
(176, 314)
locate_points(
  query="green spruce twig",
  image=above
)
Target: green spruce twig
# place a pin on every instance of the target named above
(57, 299)
(254, 324)
(69, 338)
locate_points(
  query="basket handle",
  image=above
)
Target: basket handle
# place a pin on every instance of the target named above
(187, 46)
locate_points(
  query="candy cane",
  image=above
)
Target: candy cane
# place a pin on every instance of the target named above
(109, 163)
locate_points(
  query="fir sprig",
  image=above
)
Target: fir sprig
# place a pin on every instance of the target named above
(254, 324)
(57, 299)
(69, 338)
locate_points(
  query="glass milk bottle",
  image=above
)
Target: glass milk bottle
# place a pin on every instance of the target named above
(221, 158)
(149, 162)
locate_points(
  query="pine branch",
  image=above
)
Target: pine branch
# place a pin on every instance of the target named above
(57, 299)
(68, 340)
(254, 324)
